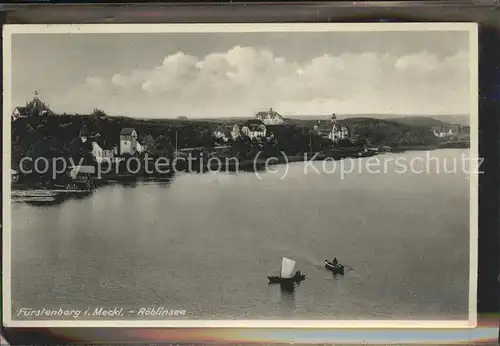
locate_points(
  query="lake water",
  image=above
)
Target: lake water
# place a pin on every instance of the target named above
(205, 243)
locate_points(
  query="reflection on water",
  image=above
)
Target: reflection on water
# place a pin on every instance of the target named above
(128, 183)
(66, 196)
(46, 203)
(132, 183)
(51, 201)
(337, 276)
(288, 287)
(287, 303)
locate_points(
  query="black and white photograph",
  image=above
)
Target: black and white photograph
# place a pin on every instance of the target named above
(252, 175)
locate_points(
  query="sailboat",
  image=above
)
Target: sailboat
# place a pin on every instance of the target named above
(287, 273)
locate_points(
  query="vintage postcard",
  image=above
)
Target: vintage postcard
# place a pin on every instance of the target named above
(240, 175)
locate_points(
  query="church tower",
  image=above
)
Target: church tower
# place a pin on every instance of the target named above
(83, 132)
(333, 119)
(334, 133)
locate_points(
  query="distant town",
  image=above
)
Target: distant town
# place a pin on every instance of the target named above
(97, 139)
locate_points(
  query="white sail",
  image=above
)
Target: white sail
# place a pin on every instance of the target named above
(287, 268)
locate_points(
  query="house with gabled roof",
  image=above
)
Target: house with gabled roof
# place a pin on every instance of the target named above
(225, 132)
(270, 117)
(254, 129)
(96, 145)
(235, 131)
(33, 108)
(331, 129)
(444, 131)
(128, 142)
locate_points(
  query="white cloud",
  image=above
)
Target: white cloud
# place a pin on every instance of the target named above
(421, 62)
(131, 80)
(244, 80)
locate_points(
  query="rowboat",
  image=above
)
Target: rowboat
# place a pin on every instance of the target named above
(335, 268)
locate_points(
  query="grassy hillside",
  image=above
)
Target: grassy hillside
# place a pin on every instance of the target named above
(415, 120)
(418, 121)
(431, 121)
(379, 132)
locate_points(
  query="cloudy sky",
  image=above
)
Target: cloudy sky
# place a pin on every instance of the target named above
(203, 75)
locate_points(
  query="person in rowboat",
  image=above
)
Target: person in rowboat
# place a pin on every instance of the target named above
(335, 262)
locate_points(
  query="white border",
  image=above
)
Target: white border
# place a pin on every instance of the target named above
(9, 30)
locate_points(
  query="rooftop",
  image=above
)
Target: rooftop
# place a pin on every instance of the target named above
(253, 122)
(327, 125)
(34, 107)
(127, 131)
(269, 114)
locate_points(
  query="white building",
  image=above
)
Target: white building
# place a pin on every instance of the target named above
(235, 132)
(128, 142)
(254, 129)
(332, 130)
(270, 117)
(33, 108)
(226, 133)
(338, 133)
(97, 152)
(102, 155)
(109, 153)
(445, 131)
(222, 132)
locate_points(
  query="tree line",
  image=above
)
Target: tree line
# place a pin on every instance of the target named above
(59, 136)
